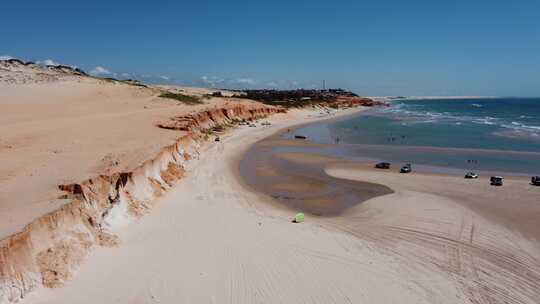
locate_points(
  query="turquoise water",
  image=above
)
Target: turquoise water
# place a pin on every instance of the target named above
(495, 134)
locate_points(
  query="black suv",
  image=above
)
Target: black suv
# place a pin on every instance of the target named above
(382, 165)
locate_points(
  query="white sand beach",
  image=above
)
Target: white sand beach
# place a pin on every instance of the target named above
(211, 240)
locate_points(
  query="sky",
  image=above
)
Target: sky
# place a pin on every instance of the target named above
(371, 47)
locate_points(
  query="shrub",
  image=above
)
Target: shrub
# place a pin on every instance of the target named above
(190, 100)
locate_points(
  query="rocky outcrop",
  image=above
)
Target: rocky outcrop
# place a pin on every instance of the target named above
(49, 250)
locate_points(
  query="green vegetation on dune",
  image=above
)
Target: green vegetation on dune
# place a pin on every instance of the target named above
(131, 82)
(190, 100)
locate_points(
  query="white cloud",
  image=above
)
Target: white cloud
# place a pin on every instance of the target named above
(6, 57)
(212, 80)
(48, 62)
(246, 81)
(164, 77)
(287, 84)
(101, 71)
(125, 75)
(272, 84)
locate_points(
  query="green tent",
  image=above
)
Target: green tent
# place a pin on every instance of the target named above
(299, 217)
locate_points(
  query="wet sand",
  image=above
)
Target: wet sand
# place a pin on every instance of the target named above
(300, 183)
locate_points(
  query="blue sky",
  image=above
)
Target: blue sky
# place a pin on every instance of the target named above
(373, 48)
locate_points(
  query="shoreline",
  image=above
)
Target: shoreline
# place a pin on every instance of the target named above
(492, 230)
(456, 157)
(300, 153)
(312, 118)
(276, 140)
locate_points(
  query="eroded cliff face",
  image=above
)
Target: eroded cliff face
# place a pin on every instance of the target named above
(49, 250)
(212, 118)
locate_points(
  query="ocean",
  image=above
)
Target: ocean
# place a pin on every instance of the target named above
(495, 135)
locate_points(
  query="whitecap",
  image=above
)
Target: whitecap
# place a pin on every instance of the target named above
(485, 120)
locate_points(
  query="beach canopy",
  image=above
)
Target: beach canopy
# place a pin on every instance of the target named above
(299, 217)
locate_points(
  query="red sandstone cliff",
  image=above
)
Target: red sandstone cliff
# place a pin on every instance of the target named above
(207, 119)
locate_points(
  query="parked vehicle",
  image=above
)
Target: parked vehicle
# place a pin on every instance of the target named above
(496, 180)
(299, 137)
(471, 175)
(406, 169)
(383, 165)
(535, 180)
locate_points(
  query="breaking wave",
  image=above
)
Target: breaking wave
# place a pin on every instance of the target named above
(418, 114)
